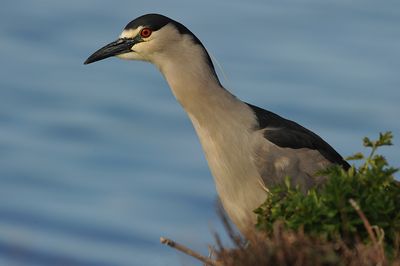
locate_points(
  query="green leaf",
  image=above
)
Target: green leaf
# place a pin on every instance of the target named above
(367, 142)
(356, 156)
(385, 139)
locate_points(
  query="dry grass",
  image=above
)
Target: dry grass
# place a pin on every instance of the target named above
(284, 247)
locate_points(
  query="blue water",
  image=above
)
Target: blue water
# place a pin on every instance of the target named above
(97, 162)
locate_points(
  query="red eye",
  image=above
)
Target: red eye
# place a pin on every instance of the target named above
(145, 33)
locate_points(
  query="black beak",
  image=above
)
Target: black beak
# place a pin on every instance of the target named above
(118, 47)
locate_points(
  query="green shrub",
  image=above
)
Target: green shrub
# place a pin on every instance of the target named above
(326, 212)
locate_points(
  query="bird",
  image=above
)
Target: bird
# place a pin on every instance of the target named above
(248, 149)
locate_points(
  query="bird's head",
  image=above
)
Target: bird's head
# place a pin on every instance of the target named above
(153, 38)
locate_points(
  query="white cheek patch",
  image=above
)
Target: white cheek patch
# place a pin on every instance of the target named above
(143, 48)
(130, 33)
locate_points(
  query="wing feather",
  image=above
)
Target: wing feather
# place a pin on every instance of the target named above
(288, 134)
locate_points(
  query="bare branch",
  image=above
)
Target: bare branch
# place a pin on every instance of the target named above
(187, 251)
(367, 225)
(373, 234)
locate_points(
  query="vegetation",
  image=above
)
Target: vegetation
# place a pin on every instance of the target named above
(353, 219)
(327, 212)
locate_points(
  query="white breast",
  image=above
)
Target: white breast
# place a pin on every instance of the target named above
(229, 141)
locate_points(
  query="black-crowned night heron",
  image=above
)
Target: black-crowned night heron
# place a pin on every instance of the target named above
(247, 148)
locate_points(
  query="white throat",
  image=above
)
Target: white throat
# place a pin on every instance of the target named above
(191, 78)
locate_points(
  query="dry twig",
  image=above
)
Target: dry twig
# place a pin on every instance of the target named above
(187, 251)
(373, 231)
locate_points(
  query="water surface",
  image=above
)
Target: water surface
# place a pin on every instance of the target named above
(97, 162)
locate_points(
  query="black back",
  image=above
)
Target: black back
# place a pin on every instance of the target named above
(288, 134)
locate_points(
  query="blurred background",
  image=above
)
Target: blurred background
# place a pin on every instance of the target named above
(97, 162)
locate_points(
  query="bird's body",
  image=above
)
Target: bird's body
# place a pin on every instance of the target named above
(247, 148)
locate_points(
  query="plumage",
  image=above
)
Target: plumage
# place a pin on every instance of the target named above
(156, 22)
(247, 148)
(288, 134)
